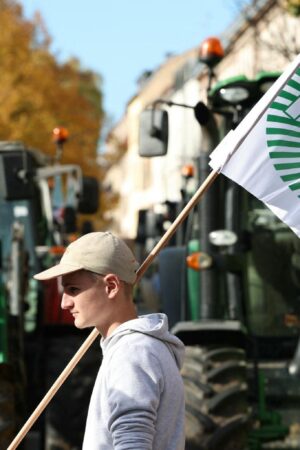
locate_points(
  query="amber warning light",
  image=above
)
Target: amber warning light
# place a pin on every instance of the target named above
(211, 51)
(188, 171)
(199, 261)
(60, 135)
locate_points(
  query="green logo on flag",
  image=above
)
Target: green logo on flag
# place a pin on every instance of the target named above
(283, 133)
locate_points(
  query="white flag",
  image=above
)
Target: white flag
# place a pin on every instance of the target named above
(263, 153)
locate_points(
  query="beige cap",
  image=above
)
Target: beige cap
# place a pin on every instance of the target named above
(99, 252)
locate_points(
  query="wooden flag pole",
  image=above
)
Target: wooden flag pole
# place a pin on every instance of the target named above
(90, 339)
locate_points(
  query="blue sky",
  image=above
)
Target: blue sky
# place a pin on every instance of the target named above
(121, 39)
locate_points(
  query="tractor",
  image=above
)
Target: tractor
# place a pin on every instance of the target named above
(229, 282)
(40, 200)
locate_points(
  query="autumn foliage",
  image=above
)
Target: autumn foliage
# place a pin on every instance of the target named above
(37, 93)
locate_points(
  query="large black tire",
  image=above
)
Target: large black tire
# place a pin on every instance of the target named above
(217, 410)
(7, 406)
(12, 403)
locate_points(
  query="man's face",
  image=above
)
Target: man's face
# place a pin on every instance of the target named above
(86, 299)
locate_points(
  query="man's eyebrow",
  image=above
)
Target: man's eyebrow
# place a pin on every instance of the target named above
(68, 283)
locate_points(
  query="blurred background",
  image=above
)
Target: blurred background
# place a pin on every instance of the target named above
(79, 84)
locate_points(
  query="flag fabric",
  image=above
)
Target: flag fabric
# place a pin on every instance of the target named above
(263, 153)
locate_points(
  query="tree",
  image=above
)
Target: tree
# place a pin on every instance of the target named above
(37, 93)
(283, 38)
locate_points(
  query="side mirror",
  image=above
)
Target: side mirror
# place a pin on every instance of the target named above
(17, 168)
(70, 220)
(153, 133)
(89, 198)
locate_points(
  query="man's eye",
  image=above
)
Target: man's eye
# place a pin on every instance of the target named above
(73, 290)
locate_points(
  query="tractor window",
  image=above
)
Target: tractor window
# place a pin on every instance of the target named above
(273, 274)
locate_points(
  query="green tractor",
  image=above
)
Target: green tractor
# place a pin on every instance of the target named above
(230, 284)
(39, 204)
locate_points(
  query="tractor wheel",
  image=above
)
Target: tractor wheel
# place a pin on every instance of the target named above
(7, 406)
(217, 411)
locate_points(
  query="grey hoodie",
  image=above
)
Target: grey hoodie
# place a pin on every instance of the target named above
(138, 398)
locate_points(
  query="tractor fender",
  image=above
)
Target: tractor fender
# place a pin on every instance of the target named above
(211, 332)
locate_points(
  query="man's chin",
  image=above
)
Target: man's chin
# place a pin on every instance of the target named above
(81, 325)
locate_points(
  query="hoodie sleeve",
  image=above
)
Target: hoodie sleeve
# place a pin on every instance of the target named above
(134, 386)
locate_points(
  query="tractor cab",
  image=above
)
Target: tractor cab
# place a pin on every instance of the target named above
(40, 201)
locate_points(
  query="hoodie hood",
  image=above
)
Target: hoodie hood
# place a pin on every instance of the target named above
(154, 325)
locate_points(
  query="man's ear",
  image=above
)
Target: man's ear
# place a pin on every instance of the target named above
(112, 285)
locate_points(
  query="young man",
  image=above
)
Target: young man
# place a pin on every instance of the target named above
(138, 398)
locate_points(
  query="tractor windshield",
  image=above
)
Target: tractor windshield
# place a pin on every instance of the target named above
(273, 274)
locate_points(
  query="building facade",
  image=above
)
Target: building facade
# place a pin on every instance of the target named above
(264, 38)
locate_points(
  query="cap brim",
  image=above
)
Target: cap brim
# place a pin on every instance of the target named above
(57, 271)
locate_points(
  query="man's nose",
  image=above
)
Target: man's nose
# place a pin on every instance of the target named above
(66, 301)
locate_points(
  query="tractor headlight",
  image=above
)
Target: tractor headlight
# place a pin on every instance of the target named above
(264, 87)
(234, 95)
(222, 238)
